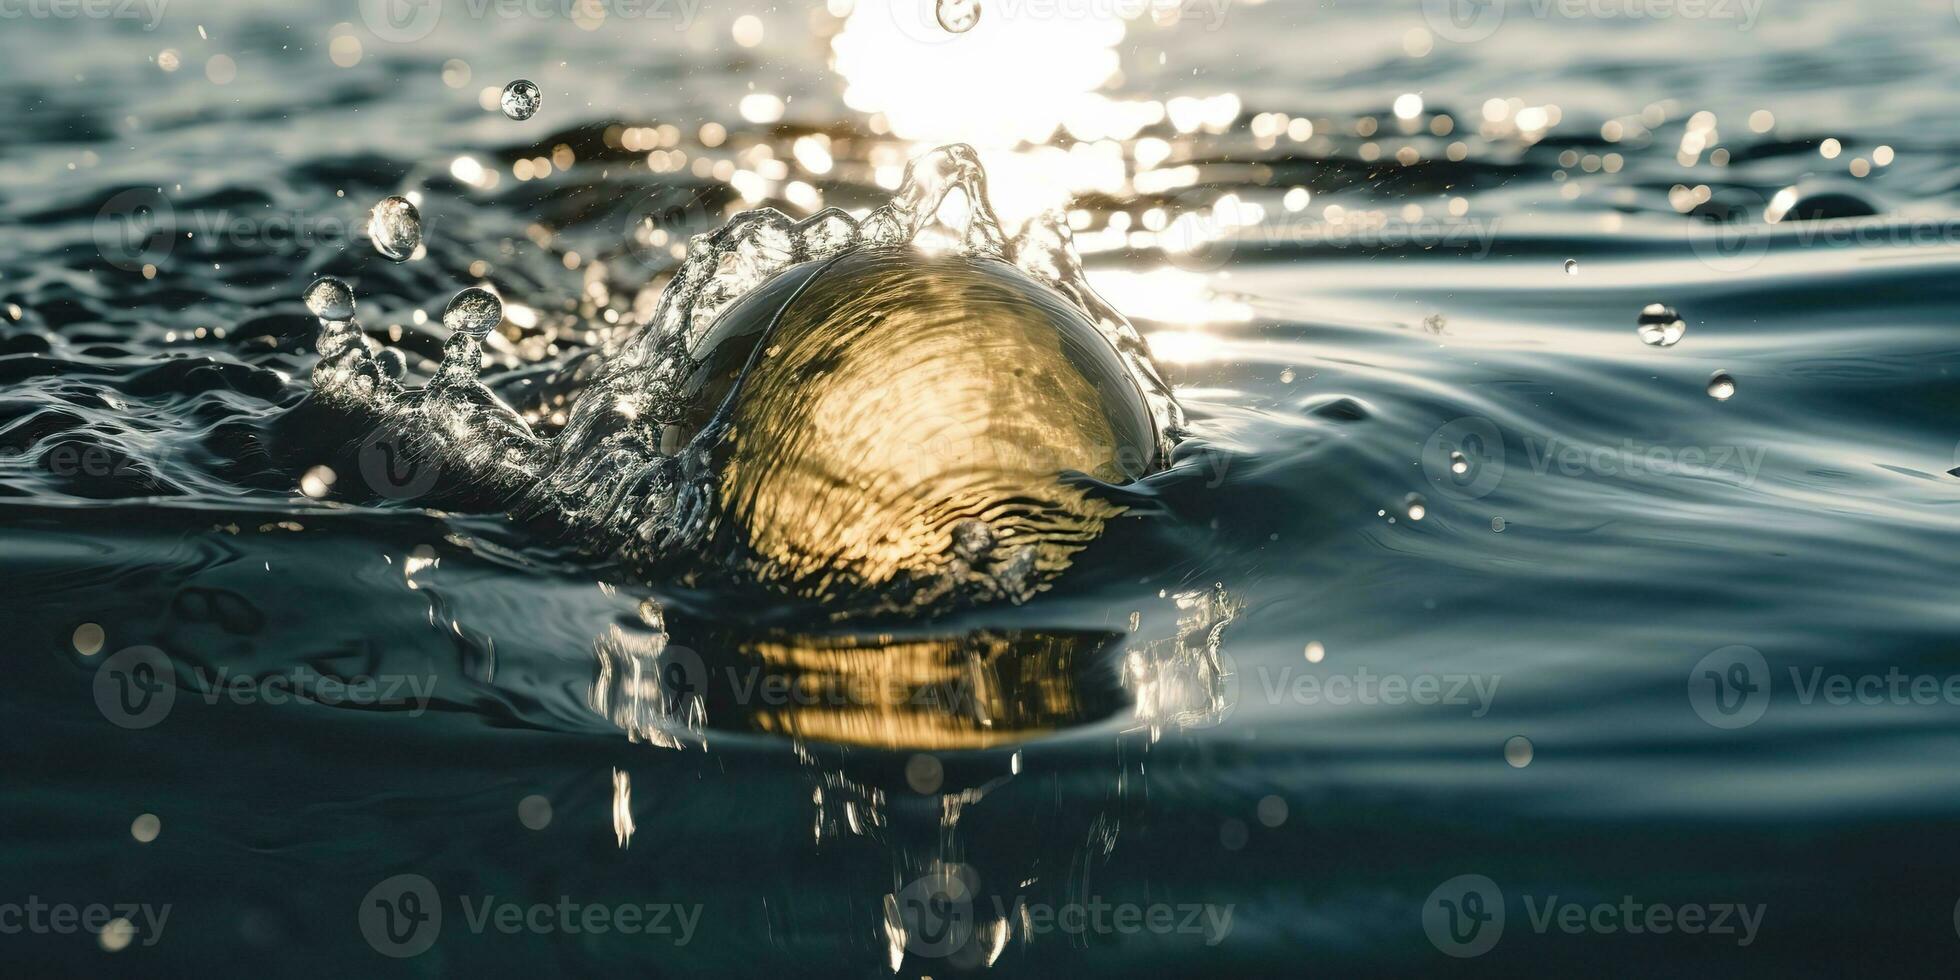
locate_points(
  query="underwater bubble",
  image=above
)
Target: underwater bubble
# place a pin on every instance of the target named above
(521, 99)
(958, 16)
(330, 299)
(1415, 506)
(1272, 811)
(534, 812)
(88, 639)
(924, 774)
(393, 363)
(474, 311)
(1660, 326)
(395, 227)
(1721, 386)
(1459, 463)
(1518, 751)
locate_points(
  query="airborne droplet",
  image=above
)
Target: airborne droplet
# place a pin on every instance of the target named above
(1415, 506)
(1571, 267)
(521, 99)
(330, 299)
(1660, 326)
(958, 16)
(395, 227)
(1721, 386)
(1459, 463)
(474, 311)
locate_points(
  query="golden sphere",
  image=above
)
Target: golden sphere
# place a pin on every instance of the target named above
(893, 417)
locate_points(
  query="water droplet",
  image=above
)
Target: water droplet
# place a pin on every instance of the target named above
(1518, 751)
(1571, 267)
(1497, 524)
(521, 99)
(1286, 376)
(1459, 463)
(474, 311)
(393, 363)
(145, 828)
(1721, 386)
(1660, 326)
(395, 227)
(958, 16)
(1415, 506)
(330, 299)
(1316, 652)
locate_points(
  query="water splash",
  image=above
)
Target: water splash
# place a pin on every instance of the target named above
(660, 457)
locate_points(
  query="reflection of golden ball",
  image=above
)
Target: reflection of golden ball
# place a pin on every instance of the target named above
(899, 417)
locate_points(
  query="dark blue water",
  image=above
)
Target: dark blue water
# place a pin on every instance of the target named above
(1673, 677)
